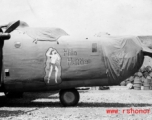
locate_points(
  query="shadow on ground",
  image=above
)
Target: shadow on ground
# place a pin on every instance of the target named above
(12, 113)
(7, 113)
(46, 100)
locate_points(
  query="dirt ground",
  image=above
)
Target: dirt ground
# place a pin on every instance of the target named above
(93, 105)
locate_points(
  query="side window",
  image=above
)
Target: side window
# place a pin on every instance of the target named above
(94, 47)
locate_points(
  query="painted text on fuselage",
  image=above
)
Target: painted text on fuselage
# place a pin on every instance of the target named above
(72, 58)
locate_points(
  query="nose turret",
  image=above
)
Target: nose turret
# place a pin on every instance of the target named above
(123, 57)
(146, 45)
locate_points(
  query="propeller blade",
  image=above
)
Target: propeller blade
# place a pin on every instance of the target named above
(12, 27)
(4, 36)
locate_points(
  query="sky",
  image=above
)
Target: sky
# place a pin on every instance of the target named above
(116, 17)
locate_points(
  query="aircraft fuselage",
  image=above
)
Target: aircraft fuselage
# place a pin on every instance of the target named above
(27, 66)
